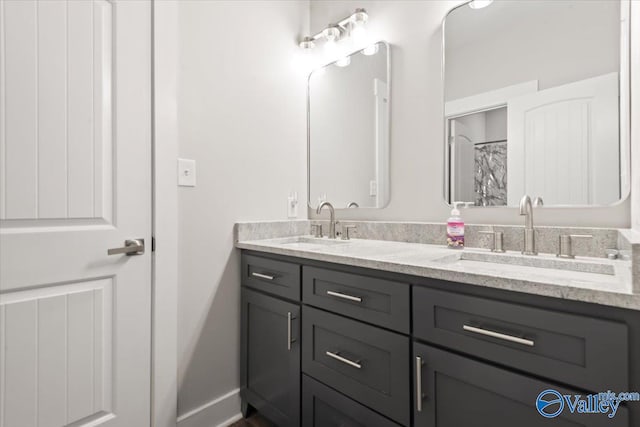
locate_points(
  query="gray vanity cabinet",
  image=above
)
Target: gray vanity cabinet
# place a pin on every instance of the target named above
(270, 373)
(458, 391)
(326, 345)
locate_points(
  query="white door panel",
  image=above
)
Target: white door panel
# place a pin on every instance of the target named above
(75, 154)
(563, 144)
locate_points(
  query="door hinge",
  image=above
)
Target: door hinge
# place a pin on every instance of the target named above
(153, 244)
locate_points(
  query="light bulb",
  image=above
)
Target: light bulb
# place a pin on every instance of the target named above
(357, 28)
(344, 61)
(371, 49)
(359, 34)
(332, 32)
(330, 48)
(479, 4)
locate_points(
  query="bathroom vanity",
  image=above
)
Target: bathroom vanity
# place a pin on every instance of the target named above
(335, 336)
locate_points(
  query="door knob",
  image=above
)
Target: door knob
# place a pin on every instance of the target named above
(131, 247)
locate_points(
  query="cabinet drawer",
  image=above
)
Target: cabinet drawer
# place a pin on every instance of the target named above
(366, 363)
(577, 350)
(276, 277)
(381, 302)
(325, 407)
(460, 392)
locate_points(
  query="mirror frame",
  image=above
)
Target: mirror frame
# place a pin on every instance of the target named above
(624, 111)
(389, 89)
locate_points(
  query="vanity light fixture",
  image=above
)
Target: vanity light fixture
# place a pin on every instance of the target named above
(352, 25)
(307, 43)
(479, 4)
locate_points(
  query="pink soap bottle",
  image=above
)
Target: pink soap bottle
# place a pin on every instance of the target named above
(455, 228)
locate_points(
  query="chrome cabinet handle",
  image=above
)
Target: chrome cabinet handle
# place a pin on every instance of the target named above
(498, 335)
(131, 247)
(419, 395)
(289, 331)
(344, 296)
(263, 276)
(344, 360)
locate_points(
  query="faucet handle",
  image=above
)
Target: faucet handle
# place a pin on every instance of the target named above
(316, 230)
(565, 244)
(498, 240)
(345, 231)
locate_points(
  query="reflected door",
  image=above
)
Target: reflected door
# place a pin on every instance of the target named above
(564, 144)
(75, 149)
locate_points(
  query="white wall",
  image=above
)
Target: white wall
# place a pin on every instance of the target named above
(417, 143)
(241, 112)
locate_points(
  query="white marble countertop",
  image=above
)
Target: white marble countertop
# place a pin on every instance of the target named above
(438, 262)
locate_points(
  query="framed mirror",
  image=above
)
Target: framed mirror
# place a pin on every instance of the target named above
(348, 130)
(536, 102)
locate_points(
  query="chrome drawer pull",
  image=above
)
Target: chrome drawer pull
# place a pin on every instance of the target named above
(289, 331)
(344, 296)
(344, 360)
(498, 335)
(419, 395)
(263, 276)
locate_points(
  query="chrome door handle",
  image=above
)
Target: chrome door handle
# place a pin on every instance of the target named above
(344, 360)
(498, 335)
(419, 395)
(344, 296)
(131, 247)
(263, 276)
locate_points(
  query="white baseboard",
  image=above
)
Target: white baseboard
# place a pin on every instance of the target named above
(231, 420)
(219, 412)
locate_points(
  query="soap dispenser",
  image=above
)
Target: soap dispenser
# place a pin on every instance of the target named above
(455, 228)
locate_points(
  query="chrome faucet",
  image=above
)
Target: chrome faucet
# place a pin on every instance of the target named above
(332, 218)
(526, 209)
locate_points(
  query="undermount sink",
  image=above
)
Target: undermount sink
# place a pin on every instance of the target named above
(308, 242)
(541, 261)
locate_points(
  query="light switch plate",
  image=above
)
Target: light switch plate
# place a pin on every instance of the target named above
(186, 173)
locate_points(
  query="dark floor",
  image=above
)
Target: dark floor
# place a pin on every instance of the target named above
(253, 421)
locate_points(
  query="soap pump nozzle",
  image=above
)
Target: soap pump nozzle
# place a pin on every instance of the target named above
(455, 211)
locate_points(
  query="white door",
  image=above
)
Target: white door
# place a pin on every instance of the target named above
(563, 144)
(75, 159)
